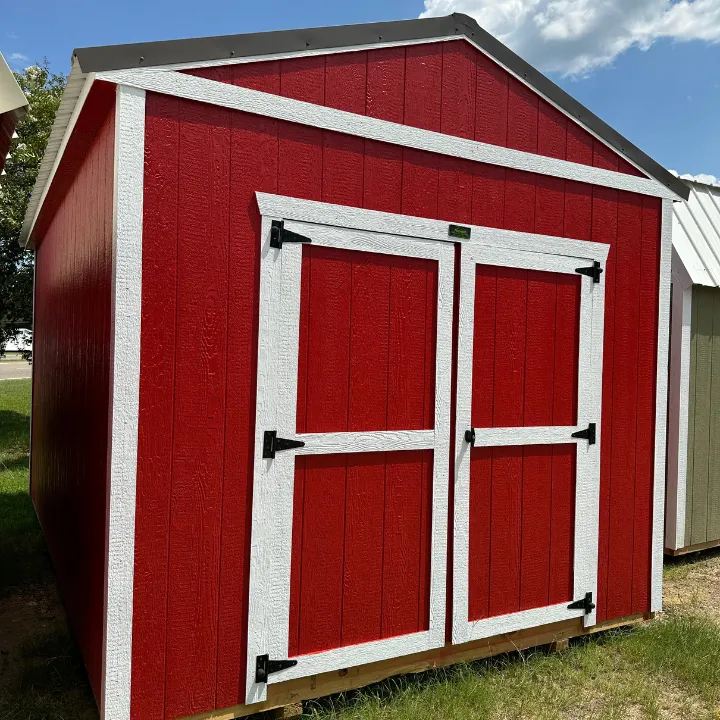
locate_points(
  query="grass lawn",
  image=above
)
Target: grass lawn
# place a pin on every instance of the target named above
(668, 668)
(42, 676)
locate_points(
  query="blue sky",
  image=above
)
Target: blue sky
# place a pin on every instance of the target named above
(665, 98)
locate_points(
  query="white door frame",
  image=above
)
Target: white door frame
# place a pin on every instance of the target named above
(273, 482)
(538, 253)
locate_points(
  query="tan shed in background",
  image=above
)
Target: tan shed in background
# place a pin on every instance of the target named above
(693, 482)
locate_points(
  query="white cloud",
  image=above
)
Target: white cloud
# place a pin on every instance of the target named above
(17, 57)
(703, 178)
(576, 36)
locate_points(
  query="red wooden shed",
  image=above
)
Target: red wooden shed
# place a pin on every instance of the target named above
(350, 360)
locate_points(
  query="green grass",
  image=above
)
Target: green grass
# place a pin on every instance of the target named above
(23, 558)
(664, 665)
(42, 676)
(667, 668)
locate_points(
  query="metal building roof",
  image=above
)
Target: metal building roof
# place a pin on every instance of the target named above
(696, 233)
(13, 106)
(172, 53)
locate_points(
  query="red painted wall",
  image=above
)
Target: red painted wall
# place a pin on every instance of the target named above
(71, 371)
(199, 322)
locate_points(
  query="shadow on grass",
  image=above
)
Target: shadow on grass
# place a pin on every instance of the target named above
(45, 678)
(14, 432)
(23, 556)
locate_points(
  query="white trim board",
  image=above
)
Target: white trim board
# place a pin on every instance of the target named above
(273, 485)
(321, 213)
(589, 409)
(303, 113)
(124, 401)
(661, 408)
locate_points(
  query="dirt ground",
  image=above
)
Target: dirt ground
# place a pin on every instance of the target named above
(42, 675)
(692, 585)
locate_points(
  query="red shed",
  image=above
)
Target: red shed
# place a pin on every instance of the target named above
(350, 360)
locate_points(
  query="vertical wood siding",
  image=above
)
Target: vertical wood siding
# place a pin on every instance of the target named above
(522, 499)
(480, 101)
(71, 371)
(200, 325)
(702, 509)
(361, 523)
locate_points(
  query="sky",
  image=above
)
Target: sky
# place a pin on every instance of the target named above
(647, 67)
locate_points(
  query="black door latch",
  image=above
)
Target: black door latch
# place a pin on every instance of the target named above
(585, 604)
(279, 235)
(264, 666)
(470, 436)
(272, 444)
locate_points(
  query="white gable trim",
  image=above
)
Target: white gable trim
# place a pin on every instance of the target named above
(303, 113)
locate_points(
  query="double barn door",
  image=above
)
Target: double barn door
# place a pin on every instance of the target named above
(358, 315)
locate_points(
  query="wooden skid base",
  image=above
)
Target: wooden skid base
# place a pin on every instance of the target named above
(293, 692)
(693, 548)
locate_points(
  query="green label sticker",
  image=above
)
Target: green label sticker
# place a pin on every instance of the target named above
(459, 231)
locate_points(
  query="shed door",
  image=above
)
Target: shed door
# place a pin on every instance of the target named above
(526, 493)
(351, 479)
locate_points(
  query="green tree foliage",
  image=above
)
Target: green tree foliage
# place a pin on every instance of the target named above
(43, 90)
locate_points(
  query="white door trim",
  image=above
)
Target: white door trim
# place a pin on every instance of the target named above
(296, 111)
(322, 213)
(273, 484)
(486, 251)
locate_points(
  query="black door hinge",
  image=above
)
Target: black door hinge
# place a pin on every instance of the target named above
(588, 434)
(272, 444)
(279, 235)
(264, 666)
(585, 604)
(593, 272)
(470, 436)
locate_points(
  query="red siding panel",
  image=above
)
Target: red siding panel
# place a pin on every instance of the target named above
(522, 117)
(71, 376)
(644, 455)
(626, 369)
(386, 84)
(155, 432)
(199, 419)
(491, 102)
(253, 169)
(605, 220)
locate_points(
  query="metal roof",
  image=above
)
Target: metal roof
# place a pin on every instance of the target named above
(227, 47)
(13, 106)
(696, 233)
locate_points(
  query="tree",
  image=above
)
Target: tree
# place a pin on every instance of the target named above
(43, 90)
